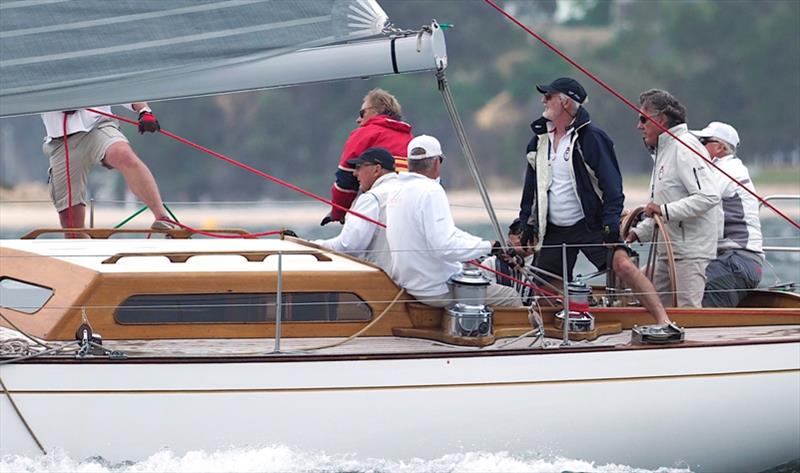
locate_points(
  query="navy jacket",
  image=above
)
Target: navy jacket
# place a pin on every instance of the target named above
(594, 153)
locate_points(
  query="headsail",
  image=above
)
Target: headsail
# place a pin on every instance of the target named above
(58, 54)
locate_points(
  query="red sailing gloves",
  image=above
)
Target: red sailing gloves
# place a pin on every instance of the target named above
(148, 122)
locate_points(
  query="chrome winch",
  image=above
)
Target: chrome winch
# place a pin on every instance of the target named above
(468, 316)
(580, 319)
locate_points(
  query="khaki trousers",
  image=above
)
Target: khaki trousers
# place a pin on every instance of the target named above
(691, 275)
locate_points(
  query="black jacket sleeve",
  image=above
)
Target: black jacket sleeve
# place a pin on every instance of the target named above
(598, 153)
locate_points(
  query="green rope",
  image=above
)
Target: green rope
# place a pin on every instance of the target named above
(171, 214)
(142, 210)
(131, 217)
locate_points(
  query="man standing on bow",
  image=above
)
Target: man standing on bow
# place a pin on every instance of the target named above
(93, 138)
(427, 248)
(683, 193)
(740, 256)
(377, 180)
(573, 193)
(380, 124)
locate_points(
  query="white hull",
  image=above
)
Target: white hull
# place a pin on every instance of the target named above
(711, 408)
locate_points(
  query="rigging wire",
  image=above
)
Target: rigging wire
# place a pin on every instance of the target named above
(635, 108)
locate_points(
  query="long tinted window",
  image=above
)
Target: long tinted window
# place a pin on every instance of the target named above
(241, 308)
(23, 296)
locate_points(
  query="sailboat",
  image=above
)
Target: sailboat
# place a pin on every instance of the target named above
(122, 347)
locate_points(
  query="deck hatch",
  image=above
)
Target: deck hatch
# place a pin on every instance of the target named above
(241, 308)
(23, 296)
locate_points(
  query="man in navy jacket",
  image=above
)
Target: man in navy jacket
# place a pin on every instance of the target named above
(573, 193)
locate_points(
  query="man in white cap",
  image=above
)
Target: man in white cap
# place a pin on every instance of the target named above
(740, 256)
(427, 248)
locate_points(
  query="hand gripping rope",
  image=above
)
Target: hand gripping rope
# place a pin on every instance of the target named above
(635, 108)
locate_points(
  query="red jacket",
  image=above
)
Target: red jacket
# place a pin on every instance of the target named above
(378, 131)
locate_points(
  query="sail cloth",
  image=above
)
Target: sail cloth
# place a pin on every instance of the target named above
(62, 54)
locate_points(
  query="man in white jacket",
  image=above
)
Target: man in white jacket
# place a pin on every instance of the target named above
(683, 193)
(740, 255)
(377, 180)
(426, 247)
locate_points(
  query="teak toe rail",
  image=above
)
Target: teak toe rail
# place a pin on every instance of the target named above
(252, 256)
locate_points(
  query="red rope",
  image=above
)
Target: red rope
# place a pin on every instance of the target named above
(245, 167)
(70, 222)
(532, 286)
(636, 109)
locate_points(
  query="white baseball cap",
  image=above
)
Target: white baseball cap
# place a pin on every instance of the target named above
(428, 143)
(719, 130)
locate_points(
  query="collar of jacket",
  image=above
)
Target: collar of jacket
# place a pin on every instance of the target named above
(582, 119)
(387, 122)
(677, 130)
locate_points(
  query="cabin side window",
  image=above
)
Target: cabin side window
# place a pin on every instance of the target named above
(22, 296)
(241, 308)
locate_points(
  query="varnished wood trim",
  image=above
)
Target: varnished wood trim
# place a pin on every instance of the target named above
(252, 256)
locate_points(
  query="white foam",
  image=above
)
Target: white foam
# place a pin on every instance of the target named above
(284, 459)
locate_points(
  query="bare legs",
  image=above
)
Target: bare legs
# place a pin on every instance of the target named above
(137, 176)
(641, 286)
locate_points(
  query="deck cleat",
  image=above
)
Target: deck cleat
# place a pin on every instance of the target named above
(657, 334)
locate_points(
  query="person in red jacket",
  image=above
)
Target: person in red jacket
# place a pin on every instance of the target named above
(380, 124)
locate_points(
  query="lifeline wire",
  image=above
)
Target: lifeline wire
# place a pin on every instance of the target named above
(635, 108)
(243, 166)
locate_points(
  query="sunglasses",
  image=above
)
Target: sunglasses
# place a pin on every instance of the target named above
(363, 111)
(706, 141)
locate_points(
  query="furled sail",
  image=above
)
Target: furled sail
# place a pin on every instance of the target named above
(61, 54)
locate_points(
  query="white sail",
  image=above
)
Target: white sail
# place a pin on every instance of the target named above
(57, 54)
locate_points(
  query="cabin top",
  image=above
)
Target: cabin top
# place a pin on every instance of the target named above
(188, 255)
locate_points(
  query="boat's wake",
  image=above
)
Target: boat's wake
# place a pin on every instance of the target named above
(284, 459)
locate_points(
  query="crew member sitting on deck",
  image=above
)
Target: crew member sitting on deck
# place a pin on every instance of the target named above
(740, 256)
(427, 249)
(380, 124)
(377, 179)
(522, 256)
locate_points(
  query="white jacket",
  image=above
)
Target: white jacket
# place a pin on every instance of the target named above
(683, 185)
(742, 228)
(426, 246)
(362, 238)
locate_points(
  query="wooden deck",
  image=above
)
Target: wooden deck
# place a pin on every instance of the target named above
(256, 347)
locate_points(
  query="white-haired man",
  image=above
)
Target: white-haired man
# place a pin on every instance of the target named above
(427, 248)
(740, 255)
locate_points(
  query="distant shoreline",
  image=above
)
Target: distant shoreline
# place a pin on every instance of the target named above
(466, 205)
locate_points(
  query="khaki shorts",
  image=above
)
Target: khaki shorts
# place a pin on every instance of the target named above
(85, 150)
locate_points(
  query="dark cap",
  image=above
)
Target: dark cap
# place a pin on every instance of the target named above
(570, 87)
(374, 156)
(516, 227)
